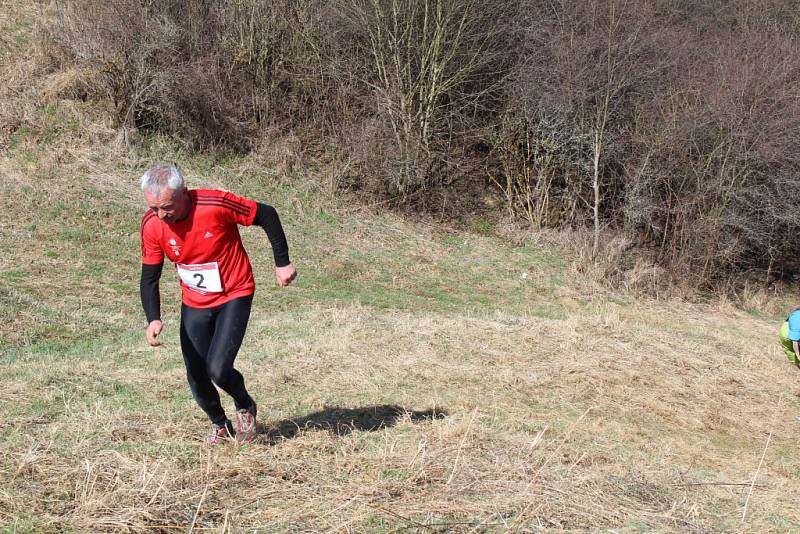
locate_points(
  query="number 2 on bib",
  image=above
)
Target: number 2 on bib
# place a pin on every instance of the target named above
(203, 277)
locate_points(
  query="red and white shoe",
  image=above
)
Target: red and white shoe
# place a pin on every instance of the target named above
(220, 434)
(246, 429)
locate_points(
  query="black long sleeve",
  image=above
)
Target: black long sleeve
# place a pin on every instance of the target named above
(148, 290)
(267, 218)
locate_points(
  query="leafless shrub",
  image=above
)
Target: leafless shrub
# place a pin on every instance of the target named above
(543, 165)
(583, 63)
(275, 46)
(430, 71)
(119, 65)
(691, 111)
(206, 72)
(672, 123)
(714, 176)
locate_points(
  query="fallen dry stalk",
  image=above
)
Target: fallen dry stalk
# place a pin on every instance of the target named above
(461, 446)
(199, 505)
(763, 454)
(684, 484)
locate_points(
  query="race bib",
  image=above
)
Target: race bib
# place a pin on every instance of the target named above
(203, 277)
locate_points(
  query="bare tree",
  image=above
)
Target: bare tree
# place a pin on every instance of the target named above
(433, 66)
(623, 47)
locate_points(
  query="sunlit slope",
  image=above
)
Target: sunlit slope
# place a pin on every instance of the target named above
(412, 377)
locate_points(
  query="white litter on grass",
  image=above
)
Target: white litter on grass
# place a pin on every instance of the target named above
(524, 276)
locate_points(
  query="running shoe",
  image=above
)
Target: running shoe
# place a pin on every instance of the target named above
(221, 433)
(246, 424)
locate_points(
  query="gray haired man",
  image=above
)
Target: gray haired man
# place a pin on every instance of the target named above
(198, 230)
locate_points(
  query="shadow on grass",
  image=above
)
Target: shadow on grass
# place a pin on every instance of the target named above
(342, 421)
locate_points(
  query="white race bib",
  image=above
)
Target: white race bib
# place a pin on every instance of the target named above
(203, 277)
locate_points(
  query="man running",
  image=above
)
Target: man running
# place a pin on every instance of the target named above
(197, 229)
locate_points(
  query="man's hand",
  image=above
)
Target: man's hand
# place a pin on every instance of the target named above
(153, 329)
(284, 275)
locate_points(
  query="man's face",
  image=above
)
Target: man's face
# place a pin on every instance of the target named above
(168, 205)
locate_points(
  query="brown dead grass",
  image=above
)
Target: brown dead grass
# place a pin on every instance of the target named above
(615, 417)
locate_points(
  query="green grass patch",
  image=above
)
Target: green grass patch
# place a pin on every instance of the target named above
(397, 474)
(22, 31)
(13, 276)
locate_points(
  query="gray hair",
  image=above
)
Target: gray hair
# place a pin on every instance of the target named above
(162, 176)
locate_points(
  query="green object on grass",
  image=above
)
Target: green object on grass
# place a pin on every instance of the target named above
(786, 343)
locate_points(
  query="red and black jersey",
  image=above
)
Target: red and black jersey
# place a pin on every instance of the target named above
(205, 247)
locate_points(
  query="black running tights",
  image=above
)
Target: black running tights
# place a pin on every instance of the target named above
(210, 340)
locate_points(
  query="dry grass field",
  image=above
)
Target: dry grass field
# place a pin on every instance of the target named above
(414, 378)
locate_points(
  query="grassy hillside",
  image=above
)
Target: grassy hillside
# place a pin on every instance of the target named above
(412, 379)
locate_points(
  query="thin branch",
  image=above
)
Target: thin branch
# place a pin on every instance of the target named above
(763, 454)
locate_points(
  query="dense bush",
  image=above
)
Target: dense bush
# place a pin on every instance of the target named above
(714, 168)
(697, 107)
(432, 73)
(211, 73)
(674, 122)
